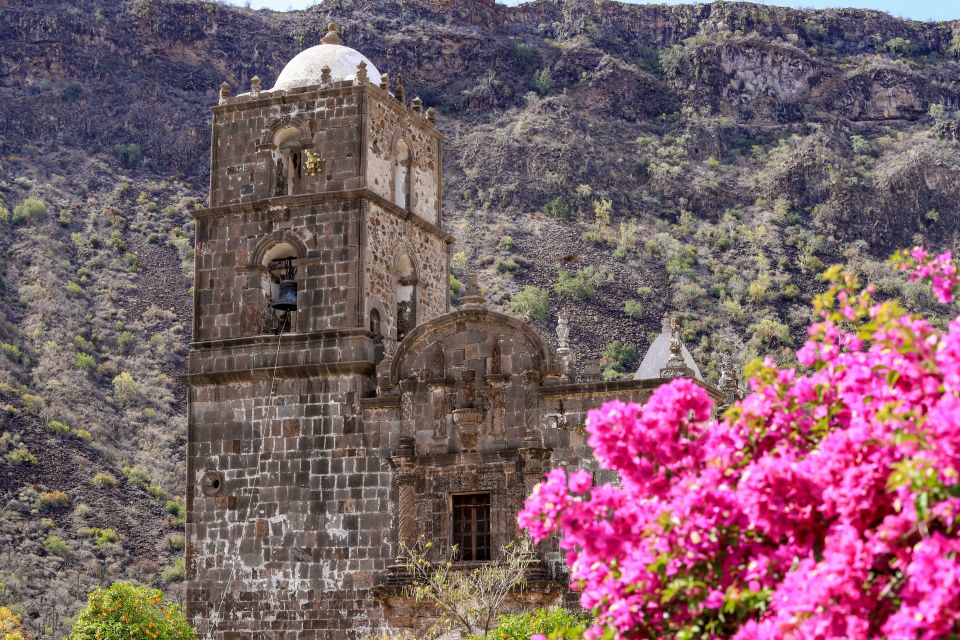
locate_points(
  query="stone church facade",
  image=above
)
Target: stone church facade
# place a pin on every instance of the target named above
(322, 437)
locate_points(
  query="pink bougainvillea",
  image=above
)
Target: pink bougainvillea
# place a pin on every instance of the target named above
(825, 504)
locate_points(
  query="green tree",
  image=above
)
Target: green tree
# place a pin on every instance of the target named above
(125, 611)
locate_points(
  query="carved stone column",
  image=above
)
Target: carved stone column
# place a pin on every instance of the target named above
(404, 461)
(533, 463)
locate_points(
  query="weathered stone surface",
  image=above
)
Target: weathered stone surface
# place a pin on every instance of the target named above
(321, 438)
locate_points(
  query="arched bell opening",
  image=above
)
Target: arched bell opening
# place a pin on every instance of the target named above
(287, 162)
(402, 163)
(280, 288)
(406, 296)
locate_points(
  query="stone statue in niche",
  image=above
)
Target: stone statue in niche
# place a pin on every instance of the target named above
(280, 177)
(468, 388)
(441, 408)
(496, 401)
(496, 358)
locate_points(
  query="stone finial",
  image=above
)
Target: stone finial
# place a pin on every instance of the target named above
(473, 298)
(385, 82)
(432, 115)
(398, 93)
(361, 76)
(255, 86)
(417, 104)
(729, 382)
(325, 75)
(675, 367)
(225, 91)
(332, 36)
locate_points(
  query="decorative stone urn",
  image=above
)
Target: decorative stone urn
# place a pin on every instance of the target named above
(467, 421)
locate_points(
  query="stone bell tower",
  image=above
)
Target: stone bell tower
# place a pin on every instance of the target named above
(321, 247)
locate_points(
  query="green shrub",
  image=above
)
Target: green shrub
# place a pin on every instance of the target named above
(54, 499)
(21, 455)
(594, 237)
(11, 351)
(633, 308)
(101, 537)
(549, 622)
(577, 287)
(617, 358)
(73, 289)
(176, 507)
(56, 546)
(131, 259)
(31, 208)
(176, 542)
(506, 242)
(458, 262)
(86, 362)
(125, 387)
(522, 54)
(531, 303)
(104, 480)
(507, 266)
(456, 286)
(137, 476)
(543, 81)
(32, 403)
(83, 434)
(174, 572)
(56, 426)
(770, 333)
(130, 155)
(560, 209)
(123, 611)
(681, 260)
(124, 340)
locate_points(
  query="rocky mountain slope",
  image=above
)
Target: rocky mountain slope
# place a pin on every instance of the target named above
(621, 160)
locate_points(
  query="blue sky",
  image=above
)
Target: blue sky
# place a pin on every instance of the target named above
(916, 9)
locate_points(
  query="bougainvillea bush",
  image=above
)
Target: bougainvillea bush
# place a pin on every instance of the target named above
(825, 504)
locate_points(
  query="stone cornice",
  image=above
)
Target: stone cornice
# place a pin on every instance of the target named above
(282, 372)
(279, 97)
(307, 199)
(614, 386)
(270, 339)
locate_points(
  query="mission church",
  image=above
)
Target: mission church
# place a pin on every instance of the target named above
(338, 405)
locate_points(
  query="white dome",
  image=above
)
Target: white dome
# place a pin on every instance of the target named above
(306, 68)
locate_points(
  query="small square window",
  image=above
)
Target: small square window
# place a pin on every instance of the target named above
(471, 526)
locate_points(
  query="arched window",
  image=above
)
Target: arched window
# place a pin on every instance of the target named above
(375, 322)
(401, 175)
(406, 290)
(287, 162)
(279, 264)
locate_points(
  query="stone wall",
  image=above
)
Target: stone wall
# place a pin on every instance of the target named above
(388, 122)
(388, 236)
(229, 298)
(289, 509)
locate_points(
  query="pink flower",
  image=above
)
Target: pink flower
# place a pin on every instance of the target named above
(820, 508)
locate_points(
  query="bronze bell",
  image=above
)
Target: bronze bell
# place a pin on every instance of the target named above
(287, 296)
